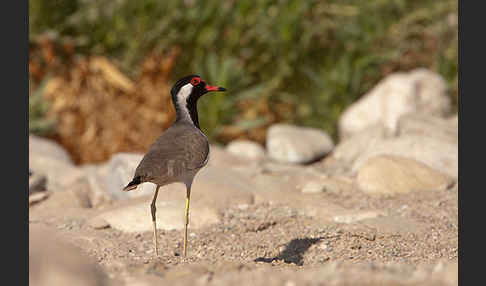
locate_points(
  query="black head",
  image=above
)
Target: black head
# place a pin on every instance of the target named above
(199, 86)
(185, 93)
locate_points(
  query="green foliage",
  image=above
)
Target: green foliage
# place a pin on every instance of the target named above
(318, 55)
(50, 16)
(38, 123)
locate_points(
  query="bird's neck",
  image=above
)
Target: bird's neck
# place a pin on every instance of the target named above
(187, 111)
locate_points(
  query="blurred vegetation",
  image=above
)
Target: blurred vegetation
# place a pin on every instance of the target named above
(38, 122)
(296, 61)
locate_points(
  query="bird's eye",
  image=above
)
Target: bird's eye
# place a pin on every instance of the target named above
(195, 81)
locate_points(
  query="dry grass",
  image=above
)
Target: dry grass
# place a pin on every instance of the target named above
(99, 111)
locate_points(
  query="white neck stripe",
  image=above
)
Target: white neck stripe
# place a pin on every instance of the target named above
(182, 97)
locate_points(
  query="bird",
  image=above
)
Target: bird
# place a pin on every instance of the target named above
(180, 151)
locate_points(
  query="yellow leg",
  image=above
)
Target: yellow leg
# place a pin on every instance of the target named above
(154, 220)
(188, 198)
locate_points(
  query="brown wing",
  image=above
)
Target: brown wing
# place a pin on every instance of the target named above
(179, 149)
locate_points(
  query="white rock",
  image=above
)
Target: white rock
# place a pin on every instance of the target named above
(221, 187)
(246, 148)
(313, 187)
(219, 157)
(120, 171)
(429, 139)
(170, 215)
(37, 197)
(96, 178)
(70, 198)
(98, 223)
(37, 183)
(419, 91)
(430, 126)
(387, 174)
(356, 216)
(436, 153)
(110, 178)
(349, 149)
(292, 144)
(46, 147)
(49, 159)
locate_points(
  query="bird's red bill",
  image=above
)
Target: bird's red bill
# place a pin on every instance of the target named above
(214, 88)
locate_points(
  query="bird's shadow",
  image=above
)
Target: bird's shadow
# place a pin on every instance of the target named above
(293, 252)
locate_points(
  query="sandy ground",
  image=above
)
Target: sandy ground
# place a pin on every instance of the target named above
(275, 243)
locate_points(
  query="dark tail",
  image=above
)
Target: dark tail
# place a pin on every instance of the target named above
(133, 184)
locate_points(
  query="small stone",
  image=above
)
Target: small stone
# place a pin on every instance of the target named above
(246, 148)
(293, 144)
(37, 183)
(98, 223)
(243, 207)
(323, 259)
(354, 217)
(313, 187)
(334, 185)
(50, 159)
(37, 197)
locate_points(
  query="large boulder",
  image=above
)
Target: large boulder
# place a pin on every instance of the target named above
(418, 91)
(436, 153)
(96, 175)
(428, 139)
(349, 149)
(120, 170)
(393, 174)
(39, 146)
(430, 126)
(49, 159)
(291, 144)
(37, 182)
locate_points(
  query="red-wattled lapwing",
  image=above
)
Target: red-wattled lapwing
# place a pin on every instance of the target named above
(181, 151)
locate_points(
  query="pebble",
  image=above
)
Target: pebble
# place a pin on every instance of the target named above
(323, 259)
(246, 148)
(313, 187)
(293, 144)
(37, 197)
(98, 223)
